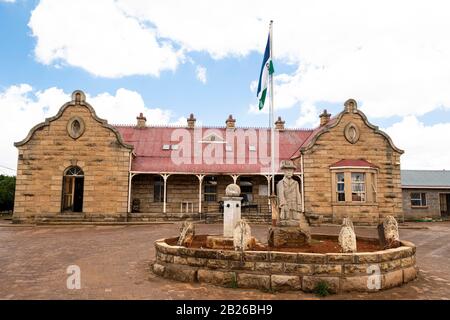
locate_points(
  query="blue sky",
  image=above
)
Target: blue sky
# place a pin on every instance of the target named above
(139, 56)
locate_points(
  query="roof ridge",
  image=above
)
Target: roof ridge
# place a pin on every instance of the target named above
(208, 127)
(426, 170)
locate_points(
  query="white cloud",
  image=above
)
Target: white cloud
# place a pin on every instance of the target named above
(220, 28)
(100, 38)
(181, 121)
(390, 56)
(253, 86)
(201, 74)
(426, 147)
(308, 116)
(124, 106)
(22, 107)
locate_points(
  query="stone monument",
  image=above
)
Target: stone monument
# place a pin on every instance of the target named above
(348, 222)
(290, 227)
(233, 226)
(242, 237)
(187, 233)
(388, 233)
(347, 237)
(231, 209)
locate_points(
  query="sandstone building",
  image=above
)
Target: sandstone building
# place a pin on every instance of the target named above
(77, 166)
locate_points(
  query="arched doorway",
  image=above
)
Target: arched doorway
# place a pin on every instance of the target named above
(72, 193)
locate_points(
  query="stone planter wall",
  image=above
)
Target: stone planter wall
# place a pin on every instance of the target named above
(280, 271)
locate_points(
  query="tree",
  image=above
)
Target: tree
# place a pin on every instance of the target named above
(7, 189)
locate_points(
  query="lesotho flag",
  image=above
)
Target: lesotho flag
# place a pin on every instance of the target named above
(266, 71)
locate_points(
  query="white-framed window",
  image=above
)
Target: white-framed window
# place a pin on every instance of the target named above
(358, 187)
(340, 187)
(418, 199)
(353, 185)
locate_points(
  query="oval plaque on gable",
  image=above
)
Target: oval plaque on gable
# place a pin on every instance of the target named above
(351, 133)
(75, 127)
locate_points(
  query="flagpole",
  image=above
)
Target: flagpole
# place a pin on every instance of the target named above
(272, 129)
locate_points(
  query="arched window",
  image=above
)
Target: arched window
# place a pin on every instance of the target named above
(74, 171)
(73, 189)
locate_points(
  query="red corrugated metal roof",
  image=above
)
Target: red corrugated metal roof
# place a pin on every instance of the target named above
(353, 163)
(150, 157)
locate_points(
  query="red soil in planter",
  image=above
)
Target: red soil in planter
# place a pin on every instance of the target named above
(322, 245)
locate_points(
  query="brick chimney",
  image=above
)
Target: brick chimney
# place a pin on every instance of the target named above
(230, 122)
(141, 121)
(191, 121)
(324, 117)
(279, 124)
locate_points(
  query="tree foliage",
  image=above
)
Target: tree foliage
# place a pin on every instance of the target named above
(7, 188)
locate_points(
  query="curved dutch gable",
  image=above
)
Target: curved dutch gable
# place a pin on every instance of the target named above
(350, 107)
(78, 99)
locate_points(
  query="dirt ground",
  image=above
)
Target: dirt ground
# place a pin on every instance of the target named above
(114, 263)
(323, 245)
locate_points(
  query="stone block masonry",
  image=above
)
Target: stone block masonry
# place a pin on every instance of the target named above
(49, 150)
(383, 185)
(287, 271)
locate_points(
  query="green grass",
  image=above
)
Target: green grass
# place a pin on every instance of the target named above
(233, 283)
(322, 289)
(424, 220)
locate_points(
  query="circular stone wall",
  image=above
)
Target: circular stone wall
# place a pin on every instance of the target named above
(280, 271)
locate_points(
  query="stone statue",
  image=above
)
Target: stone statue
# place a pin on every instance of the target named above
(347, 237)
(289, 199)
(290, 227)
